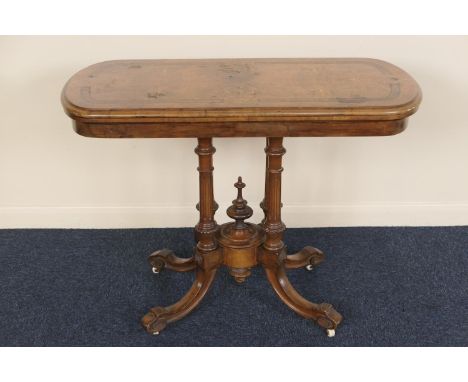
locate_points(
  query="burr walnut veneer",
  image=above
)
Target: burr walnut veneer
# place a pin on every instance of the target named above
(272, 98)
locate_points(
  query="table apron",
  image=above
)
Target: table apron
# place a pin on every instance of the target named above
(240, 129)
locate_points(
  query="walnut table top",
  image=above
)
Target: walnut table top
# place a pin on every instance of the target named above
(240, 98)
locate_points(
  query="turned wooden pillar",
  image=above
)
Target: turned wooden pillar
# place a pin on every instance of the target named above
(206, 228)
(273, 225)
(264, 201)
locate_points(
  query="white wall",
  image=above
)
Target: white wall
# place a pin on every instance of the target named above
(51, 177)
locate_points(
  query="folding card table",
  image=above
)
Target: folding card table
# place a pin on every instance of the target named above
(222, 98)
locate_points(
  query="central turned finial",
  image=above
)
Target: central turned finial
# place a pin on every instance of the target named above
(240, 240)
(239, 211)
(239, 185)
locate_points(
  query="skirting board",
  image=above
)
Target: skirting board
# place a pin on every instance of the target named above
(411, 214)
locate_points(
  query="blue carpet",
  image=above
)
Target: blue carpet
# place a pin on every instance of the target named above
(399, 286)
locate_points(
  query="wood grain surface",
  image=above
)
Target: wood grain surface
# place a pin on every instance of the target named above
(240, 97)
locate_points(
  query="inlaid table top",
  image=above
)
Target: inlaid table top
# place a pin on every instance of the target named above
(241, 97)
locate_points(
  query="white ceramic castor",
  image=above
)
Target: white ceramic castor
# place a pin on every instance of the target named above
(155, 270)
(331, 332)
(155, 333)
(309, 267)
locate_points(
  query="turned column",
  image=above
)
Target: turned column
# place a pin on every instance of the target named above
(272, 224)
(206, 228)
(265, 197)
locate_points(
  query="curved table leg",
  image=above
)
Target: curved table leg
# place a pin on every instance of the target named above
(308, 257)
(165, 258)
(325, 315)
(273, 253)
(158, 317)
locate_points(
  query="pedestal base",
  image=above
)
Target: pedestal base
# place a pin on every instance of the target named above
(275, 268)
(240, 246)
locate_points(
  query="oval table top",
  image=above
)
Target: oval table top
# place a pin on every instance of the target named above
(241, 97)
